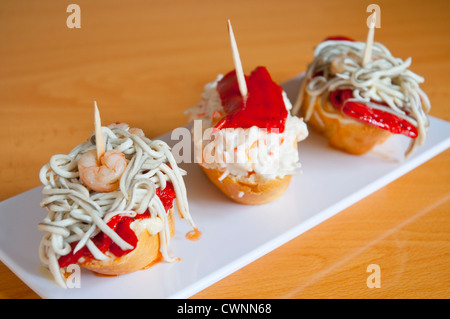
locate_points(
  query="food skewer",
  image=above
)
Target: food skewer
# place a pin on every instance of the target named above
(369, 42)
(237, 63)
(99, 142)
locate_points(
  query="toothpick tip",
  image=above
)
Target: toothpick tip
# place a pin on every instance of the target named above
(100, 145)
(237, 62)
(373, 22)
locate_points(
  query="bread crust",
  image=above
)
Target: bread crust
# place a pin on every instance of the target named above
(145, 253)
(245, 191)
(344, 133)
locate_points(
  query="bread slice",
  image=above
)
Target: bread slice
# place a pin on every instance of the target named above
(247, 191)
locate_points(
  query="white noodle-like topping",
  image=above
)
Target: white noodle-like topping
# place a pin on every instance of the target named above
(385, 79)
(76, 213)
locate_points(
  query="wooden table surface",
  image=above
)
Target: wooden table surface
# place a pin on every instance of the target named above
(145, 62)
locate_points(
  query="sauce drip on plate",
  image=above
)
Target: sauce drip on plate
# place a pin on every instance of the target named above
(194, 235)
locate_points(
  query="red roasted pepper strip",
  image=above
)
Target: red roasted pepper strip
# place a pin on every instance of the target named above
(339, 38)
(263, 107)
(379, 118)
(339, 97)
(375, 117)
(121, 225)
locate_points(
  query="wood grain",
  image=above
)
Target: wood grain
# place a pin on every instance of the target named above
(145, 62)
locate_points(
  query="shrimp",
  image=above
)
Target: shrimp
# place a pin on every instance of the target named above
(104, 175)
(126, 127)
(136, 131)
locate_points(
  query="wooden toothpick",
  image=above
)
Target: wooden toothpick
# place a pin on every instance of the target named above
(369, 42)
(98, 133)
(237, 63)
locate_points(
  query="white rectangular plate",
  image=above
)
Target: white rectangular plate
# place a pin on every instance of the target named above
(233, 235)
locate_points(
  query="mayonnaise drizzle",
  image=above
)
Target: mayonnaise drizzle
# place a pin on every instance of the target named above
(77, 214)
(336, 65)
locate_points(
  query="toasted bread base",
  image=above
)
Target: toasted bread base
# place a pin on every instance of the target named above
(247, 192)
(343, 133)
(145, 253)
